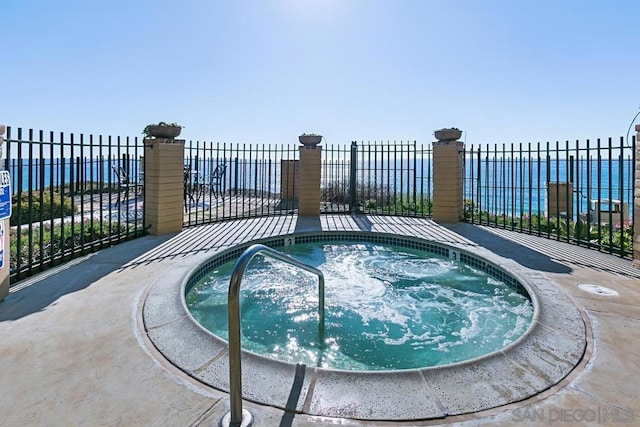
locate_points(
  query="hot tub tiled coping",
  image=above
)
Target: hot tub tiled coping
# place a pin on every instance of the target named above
(550, 349)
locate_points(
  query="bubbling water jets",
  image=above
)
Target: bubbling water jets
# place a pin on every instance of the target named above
(386, 308)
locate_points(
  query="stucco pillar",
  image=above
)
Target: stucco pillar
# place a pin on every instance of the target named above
(310, 167)
(6, 258)
(289, 180)
(448, 175)
(164, 185)
(636, 204)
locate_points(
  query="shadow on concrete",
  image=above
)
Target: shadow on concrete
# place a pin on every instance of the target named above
(294, 396)
(523, 255)
(43, 290)
(363, 222)
(308, 224)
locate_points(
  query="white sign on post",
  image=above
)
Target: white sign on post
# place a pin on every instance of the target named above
(5, 195)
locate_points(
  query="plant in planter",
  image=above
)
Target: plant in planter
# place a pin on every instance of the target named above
(448, 134)
(310, 140)
(162, 130)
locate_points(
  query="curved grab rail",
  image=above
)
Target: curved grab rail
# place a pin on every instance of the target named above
(235, 367)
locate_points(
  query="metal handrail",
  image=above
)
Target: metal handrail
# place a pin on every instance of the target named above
(235, 368)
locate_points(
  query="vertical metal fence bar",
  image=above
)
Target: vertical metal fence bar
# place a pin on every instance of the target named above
(366, 177)
(577, 190)
(61, 181)
(81, 189)
(353, 170)
(480, 208)
(609, 196)
(556, 214)
(588, 191)
(567, 195)
(530, 186)
(520, 188)
(52, 160)
(539, 185)
(18, 210)
(487, 182)
(107, 186)
(599, 193)
(494, 186)
(395, 177)
(240, 165)
(547, 183)
(41, 187)
(94, 186)
(108, 172)
(377, 175)
(621, 228)
(384, 174)
(575, 179)
(503, 186)
(72, 182)
(30, 201)
(513, 165)
(413, 179)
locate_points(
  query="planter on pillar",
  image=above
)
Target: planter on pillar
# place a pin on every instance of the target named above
(162, 130)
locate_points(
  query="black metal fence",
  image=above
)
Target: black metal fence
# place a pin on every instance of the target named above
(233, 181)
(70, 195)
(578, 192)
(230, 181)
(382, 178)
(74, 194)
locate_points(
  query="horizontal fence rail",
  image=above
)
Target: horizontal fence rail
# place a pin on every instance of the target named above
(71, 195)
(580, 192)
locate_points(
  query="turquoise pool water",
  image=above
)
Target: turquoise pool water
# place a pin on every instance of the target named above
(387, 308)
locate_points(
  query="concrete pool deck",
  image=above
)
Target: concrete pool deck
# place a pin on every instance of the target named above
(74, 351)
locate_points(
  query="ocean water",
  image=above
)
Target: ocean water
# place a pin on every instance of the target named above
(521, 187)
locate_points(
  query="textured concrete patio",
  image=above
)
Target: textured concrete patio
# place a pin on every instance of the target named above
(75, 353)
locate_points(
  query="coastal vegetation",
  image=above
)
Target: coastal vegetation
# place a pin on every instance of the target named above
(615, 237)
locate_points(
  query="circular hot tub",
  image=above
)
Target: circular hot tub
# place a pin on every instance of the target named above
(543, 341)
(386, 307)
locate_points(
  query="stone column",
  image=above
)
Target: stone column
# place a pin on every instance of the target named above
(6, 258)
(636, 204)
(164, 185)
(309, 195)
(448, 174)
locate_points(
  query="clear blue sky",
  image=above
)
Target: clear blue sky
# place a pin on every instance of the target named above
(265, 71)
